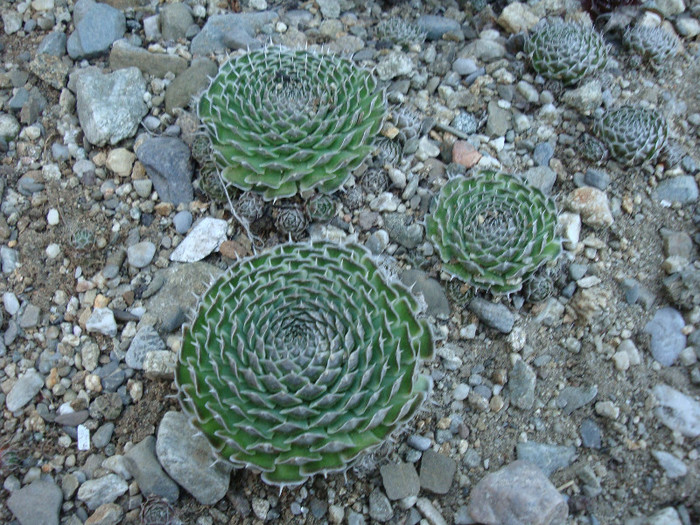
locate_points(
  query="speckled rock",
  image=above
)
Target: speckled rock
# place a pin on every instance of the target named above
(37, 503)
(592, 205)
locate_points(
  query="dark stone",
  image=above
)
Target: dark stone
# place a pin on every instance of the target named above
(167, 162)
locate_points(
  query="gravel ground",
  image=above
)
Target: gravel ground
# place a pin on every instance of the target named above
(583, 405)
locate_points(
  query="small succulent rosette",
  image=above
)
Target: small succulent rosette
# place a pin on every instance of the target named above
(654, 44)
(400, 32)
(283, 122)
(566, 51)
(300, 359)
(632, 134)
(493, 231)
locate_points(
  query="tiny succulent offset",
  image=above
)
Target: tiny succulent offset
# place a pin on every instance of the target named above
(300, 359)
(632, 134)
(400, 32)
(283, 122)
(290, 220)
(493, 231)
(566, 51)
(321, 207)
(654, 44)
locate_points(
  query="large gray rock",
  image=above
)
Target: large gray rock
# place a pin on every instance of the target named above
(518, 494)
(186, 455)
(110, 106)
(167, 162)
(37, 503)
(96, 27)
(231, 31)
(96, 492)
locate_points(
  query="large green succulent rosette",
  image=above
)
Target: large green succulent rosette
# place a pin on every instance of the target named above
(283, 121)
(566, 51)
(493, 230)
(301, 358)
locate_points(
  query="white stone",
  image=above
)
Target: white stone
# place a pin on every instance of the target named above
(669, 8)
(571, 229)
(120, 161)
(53, 250)
(621, 360)
(12, 22)
(674, 467)
(10, 302)
(102, 321)
(52, 217)
(386, 201)
(677, 411)
(205, 237)
(517, 17)
(42, 5)
(607, 409)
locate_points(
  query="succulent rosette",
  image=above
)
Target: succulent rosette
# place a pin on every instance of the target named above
(300, 359)
(566, 51)
(654, 44)
(632, 134)
(283, 121)
(493, 230)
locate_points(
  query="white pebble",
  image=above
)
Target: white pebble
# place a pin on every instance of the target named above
(52, 217)
(607, 409)
(622, 360)
(53, 250)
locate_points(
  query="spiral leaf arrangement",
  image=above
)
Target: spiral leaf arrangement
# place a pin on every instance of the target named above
(301, 358)
(566, 51)
(654, 44)
(493, 231)
(400, 32)
(632, 134)
(283, 121)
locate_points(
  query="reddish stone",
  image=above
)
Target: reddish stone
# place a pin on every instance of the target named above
(465, 154)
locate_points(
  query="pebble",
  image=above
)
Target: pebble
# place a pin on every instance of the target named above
(120, 161)
(493, 315)
(417, 442)
(9, 126)
(187, 457)
(40, 503)
(434, 295)
(429, 512)
(10, 302)
(141, 254)
(543, 153)
(52, 217)
(107, 514)
(167, 162)
(30, 316)
(260, 508)
(400, 480)
(436, 472)
(436, 26)
(674, 467)
(100, 439)
(102, 321)
(205, 237)
(592, 205)
(542, 178)
(591, 436)
(518, 494)
(175, 19)
(234, 31)
(27, 386)
(667, 337)
(521, 382)
(679, 412)
(667, 516)
(182, 221)
(96, 492)
(464, 66)
(143, 465)
(190, 82)
(607, 409)
(402, 231)
(548, 458)
(144, 342)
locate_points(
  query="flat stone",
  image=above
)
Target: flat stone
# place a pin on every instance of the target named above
(674, 467)
(37, 503)
(499, 120)
(25, 388)
(146, 340)
(667, 338)
(683, 190)
(30, 316)
(231, 31)
(436, 472)
(107, 514)
(187, 457)
(400, 480)
(142, 463)
(679, 412)
(96, 492)
(102, 321)
(53, 43)
(521, 382)
(590, 434)
(548, 458)
(175, 20)
(572, 398)
(379, 506)
(205, 237)
(517, 494)
(168, 164)
(110, 106)
(95, 29)
(436, 26)
(493, 315)
(189, 83)
(541, 177)
(125, 55)
(433, 294)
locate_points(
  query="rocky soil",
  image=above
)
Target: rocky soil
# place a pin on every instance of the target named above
(584, 404)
